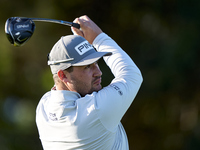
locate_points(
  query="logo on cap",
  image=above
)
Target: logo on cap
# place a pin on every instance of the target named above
(83, 47)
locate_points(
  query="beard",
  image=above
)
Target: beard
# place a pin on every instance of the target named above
(85, 87)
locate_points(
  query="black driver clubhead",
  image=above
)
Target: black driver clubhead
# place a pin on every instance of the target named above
(19, 30)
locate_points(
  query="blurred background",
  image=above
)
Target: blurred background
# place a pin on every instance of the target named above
(161, 36)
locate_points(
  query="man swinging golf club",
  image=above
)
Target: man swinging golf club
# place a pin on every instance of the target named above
(78, 113)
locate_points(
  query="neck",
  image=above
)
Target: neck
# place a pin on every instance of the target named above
(61, 86)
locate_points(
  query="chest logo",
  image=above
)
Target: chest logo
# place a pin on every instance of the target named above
(52, 116)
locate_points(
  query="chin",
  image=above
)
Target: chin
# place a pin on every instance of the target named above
(98, 88)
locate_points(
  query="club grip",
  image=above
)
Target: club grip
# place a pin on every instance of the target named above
(76, 25)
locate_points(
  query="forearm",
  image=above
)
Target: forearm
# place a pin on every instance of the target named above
(114, 99)
(119, 62)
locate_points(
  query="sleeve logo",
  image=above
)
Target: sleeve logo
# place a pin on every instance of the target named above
(117, 89)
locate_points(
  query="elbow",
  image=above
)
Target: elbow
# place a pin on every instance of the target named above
(138, 80)
(141, 78)
(137, 77)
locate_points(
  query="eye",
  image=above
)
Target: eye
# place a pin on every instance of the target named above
(96, 63)
(88, 66)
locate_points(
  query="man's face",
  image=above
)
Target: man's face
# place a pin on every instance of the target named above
(85, 79)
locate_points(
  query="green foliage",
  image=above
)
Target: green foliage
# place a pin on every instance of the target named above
(161, 36)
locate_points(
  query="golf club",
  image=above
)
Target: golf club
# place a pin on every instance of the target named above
(20, 29)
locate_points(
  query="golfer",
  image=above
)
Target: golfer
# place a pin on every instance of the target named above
(78, 113)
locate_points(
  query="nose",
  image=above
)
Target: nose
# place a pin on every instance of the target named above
(97, 71)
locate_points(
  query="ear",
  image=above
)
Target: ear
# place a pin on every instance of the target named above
(62, 76)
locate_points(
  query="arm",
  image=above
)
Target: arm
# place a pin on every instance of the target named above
(112, 101)
(116, 98)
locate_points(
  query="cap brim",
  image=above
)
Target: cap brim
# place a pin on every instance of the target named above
(92, 58)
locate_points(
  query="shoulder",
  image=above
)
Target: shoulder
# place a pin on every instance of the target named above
(47, 94)
(44, 99)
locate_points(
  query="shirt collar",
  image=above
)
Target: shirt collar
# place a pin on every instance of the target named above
(64, 95)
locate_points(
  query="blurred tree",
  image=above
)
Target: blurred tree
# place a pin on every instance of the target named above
(162, 37)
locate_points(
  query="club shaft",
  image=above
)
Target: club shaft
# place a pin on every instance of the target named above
(57, 21)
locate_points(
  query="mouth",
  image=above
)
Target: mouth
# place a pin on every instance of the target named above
(97, 81)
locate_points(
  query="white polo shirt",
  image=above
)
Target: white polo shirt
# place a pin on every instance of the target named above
(66, 121)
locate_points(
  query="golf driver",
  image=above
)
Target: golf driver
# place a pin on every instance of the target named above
(20, 29)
